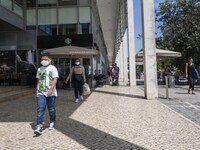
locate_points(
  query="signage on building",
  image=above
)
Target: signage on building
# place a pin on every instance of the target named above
(68, 41)
(84, 40)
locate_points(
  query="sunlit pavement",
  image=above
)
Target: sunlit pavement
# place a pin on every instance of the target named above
(111, 118)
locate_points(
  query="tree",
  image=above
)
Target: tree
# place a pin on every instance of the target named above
(179, 23)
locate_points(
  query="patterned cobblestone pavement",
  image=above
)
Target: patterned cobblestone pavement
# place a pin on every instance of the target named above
(111, 118)
(180, 101)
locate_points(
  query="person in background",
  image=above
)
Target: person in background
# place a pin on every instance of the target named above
(167, 71)
(115, 73)
(47, 76)
(78, 74)
(190, 74)
(109, 72)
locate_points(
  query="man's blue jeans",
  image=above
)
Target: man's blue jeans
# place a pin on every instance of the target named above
(42, 102)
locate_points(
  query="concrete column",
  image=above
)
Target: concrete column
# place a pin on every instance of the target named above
(131, 43)
(149, 52)
(121, 63)
(125, 57)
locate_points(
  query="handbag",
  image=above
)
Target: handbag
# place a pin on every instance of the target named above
(196, 73)
(78, 77)
(86, 89)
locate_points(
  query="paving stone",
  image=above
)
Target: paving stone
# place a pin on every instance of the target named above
(111, 118)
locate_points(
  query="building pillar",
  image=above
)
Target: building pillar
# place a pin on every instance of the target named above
(121, 65)
(149, 50)
(125, 57)
(131, 43)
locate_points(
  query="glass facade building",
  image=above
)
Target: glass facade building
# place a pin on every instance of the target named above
(29, 26)
(54, 17)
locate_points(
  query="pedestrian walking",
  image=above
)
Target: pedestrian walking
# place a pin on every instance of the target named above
(115, 74)
(109, 73)
(47, 76)
(190, 74)
(77, 76)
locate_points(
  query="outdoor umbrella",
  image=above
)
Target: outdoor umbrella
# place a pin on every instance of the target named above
(71, 51)
(160, 53)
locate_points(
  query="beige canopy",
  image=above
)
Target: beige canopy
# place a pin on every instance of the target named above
(160, 53)
(72, 51)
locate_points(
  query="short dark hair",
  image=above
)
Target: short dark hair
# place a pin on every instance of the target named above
(78, 59)
(45, 54)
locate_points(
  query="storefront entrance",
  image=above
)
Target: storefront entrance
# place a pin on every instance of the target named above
(17, 67)
(64, 66)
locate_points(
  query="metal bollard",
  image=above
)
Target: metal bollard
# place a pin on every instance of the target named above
(167, 87)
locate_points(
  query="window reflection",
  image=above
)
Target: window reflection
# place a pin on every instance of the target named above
(66, 29)
(83, 2)
(85, 28)
(67, 2)
(47, 30)
(47, 3)
(20, 2)
(31, 3)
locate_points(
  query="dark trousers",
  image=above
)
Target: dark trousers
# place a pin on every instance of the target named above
(78, 88)
(191, 82)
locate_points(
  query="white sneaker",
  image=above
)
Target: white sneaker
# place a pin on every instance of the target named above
(38, 131)
(77, 100)
(81, 98)
(51, 126)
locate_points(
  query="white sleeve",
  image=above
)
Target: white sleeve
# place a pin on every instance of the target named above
(55, 72)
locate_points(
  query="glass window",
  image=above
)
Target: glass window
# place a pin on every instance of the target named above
(47, 21)
(30, 27)
(86, 61)
(64, 66)
(31, 19)
(31, 3)
(67, 15)
(85, 28)
(47, 16)
(31, 16)
(47, 30)
(7, 3)
(18, 10)
(47, 3)
(7, 61)
(67, 2)
(66, 29)
(84, 2)
(86, 64)
(20, 2)
(84, 15)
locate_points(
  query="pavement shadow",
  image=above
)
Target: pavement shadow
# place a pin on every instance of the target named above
(182, 93)
(95, 139)
(121, 94)
(24, 110)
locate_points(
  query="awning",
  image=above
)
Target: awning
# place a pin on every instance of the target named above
(71, 51)
(160, 53)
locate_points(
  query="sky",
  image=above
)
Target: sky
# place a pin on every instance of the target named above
(138, 21)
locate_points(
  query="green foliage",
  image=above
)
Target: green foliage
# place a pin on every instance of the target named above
(179, 23)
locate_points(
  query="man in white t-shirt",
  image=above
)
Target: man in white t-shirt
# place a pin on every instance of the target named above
(47, 76)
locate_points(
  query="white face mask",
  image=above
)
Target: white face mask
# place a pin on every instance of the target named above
(45, 63)
(77, 63)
